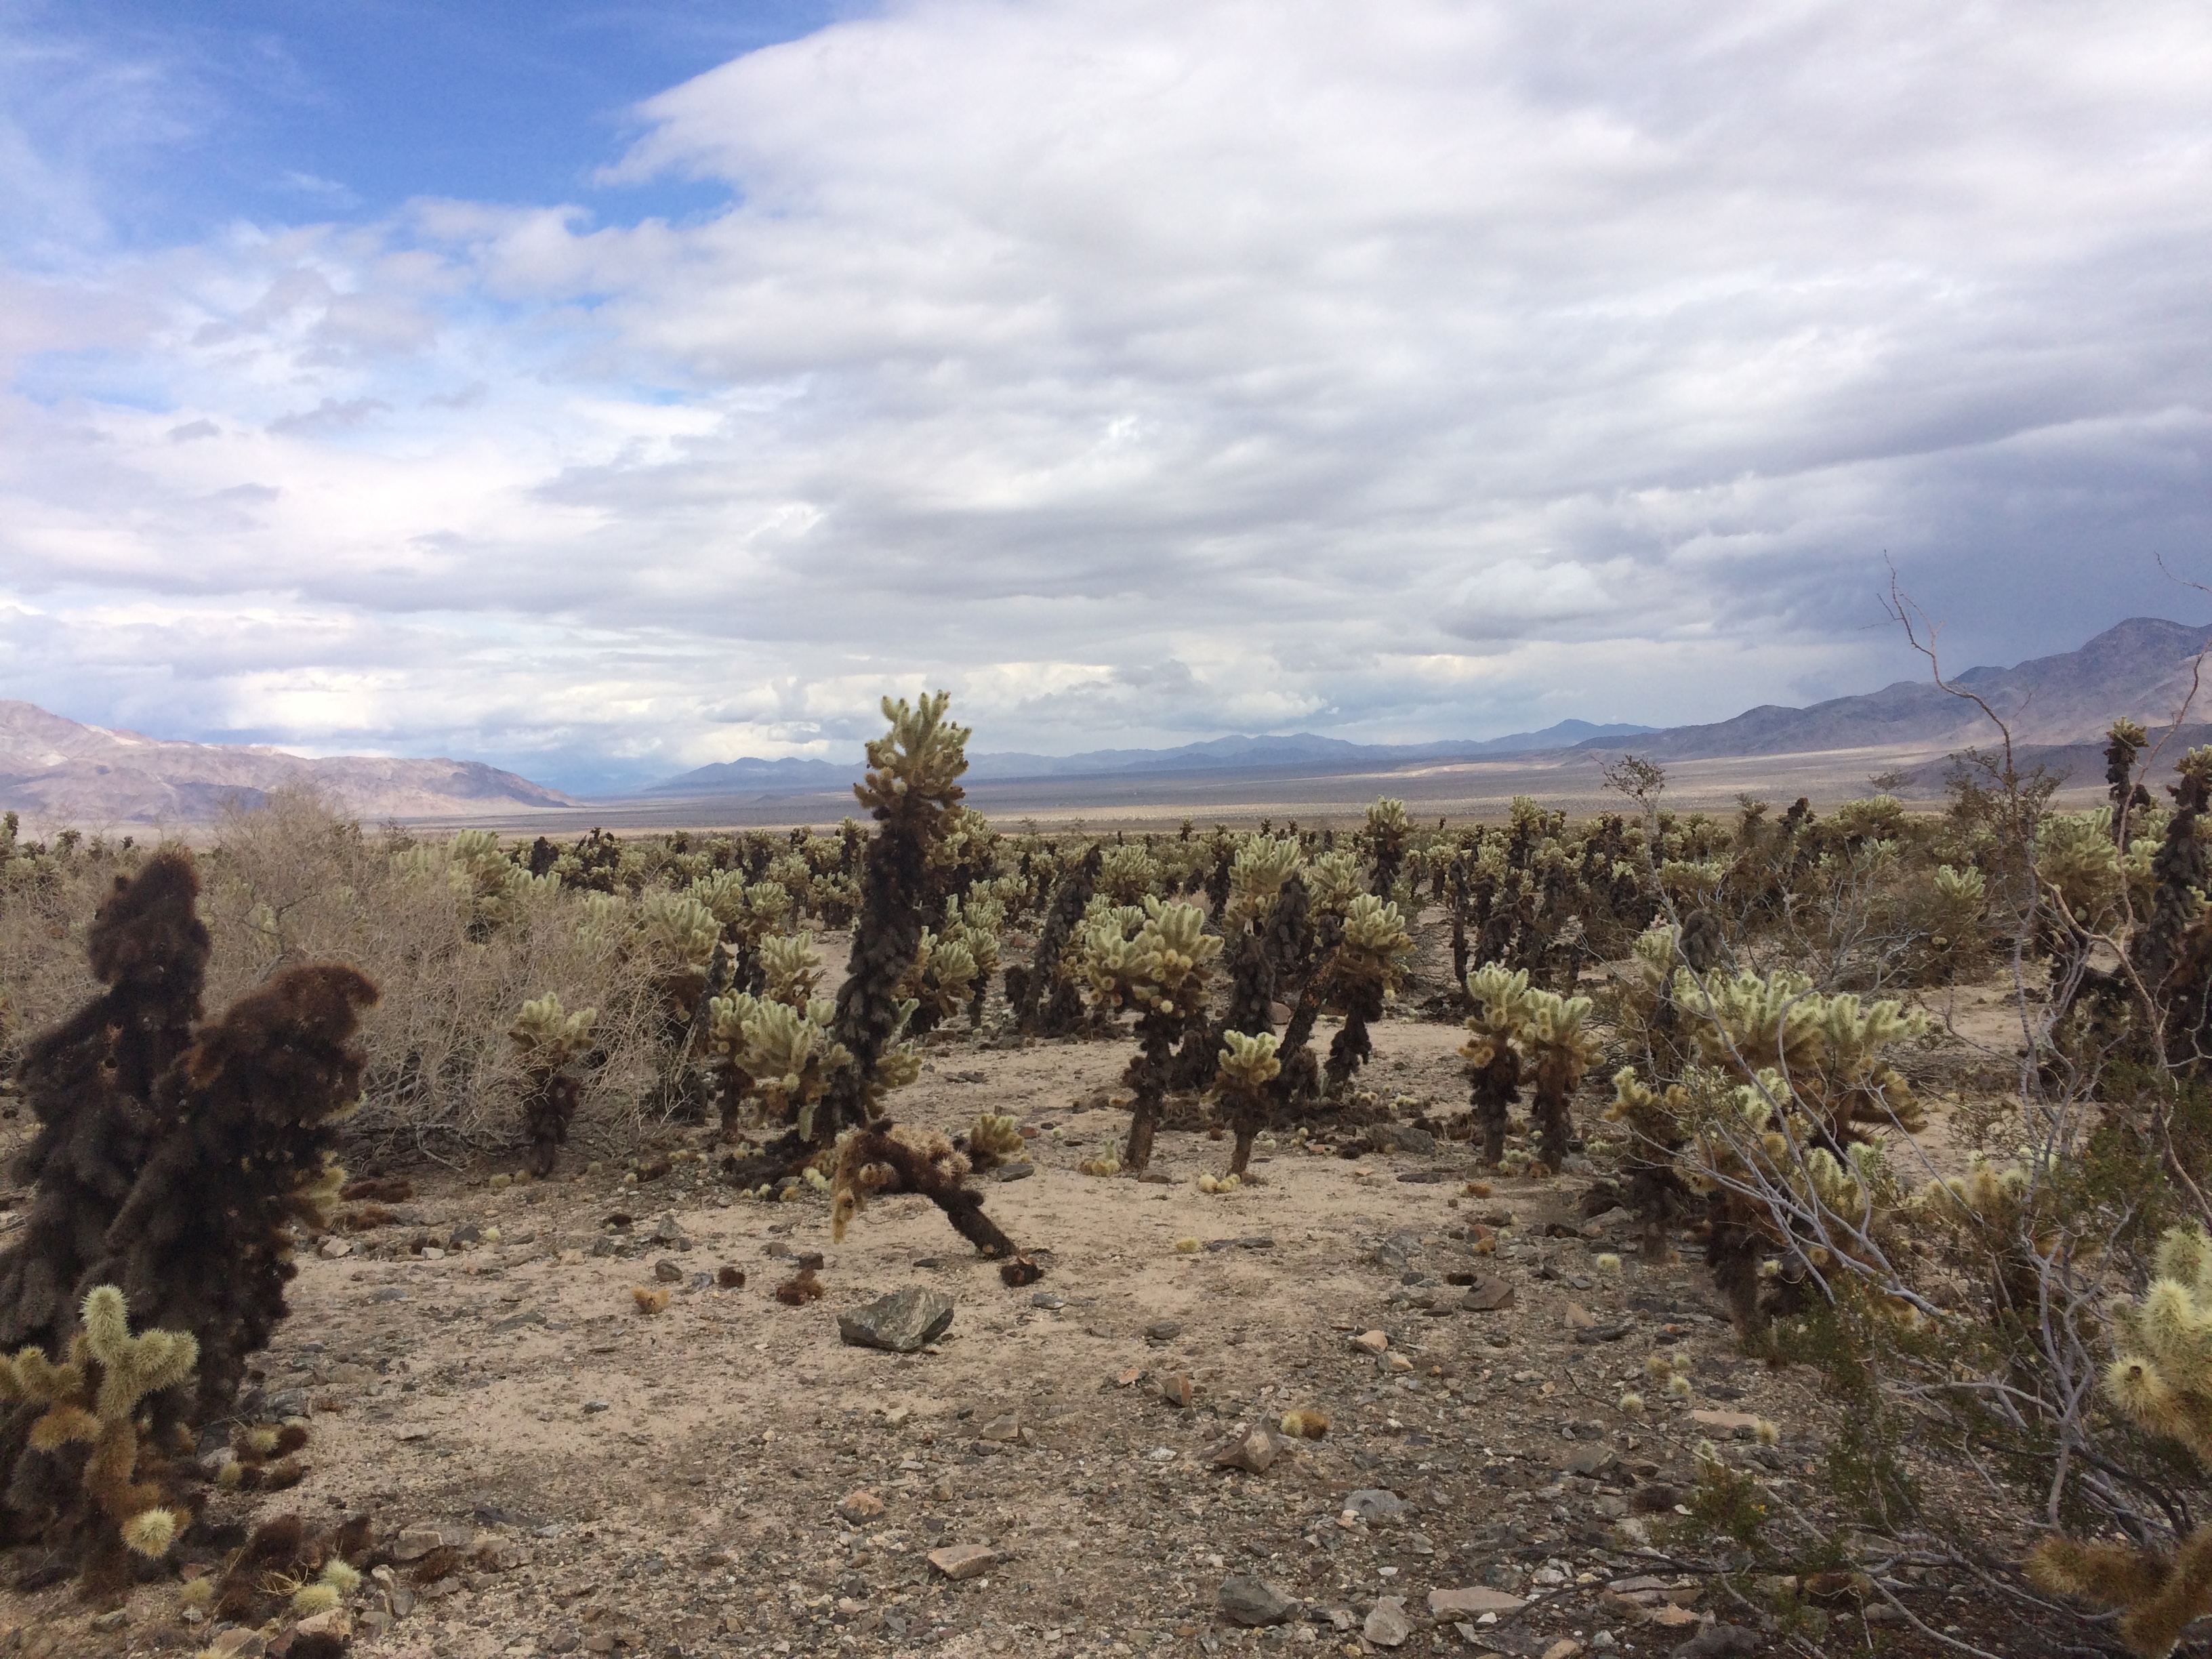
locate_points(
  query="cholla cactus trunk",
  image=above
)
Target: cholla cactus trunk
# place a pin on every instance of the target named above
(1351, 1048)
(246, 1124)
(1046, 1001)
(886, 935)
(885, 1157)
(1735, 1244)
(1316, 940)
(548, 1106)
(1146, 1079)
(2123, 746)
(89, 1083)
(1555, 1121)
(1492, 1092)
(2178, 870)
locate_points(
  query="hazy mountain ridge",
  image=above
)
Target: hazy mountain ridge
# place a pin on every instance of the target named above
(54, 769)
(1303, 749)
(2141, 667)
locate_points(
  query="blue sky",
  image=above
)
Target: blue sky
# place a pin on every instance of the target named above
(602, 391)
(179, 119)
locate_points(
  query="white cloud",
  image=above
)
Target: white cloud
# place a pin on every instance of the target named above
(1144, 370)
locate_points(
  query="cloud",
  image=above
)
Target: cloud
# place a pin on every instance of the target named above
(1142, 371)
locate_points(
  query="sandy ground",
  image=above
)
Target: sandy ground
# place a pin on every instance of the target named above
(670, 1484)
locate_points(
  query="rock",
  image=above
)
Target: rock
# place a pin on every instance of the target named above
(1255, 1602)
(1740, 1424)
(1371, 1341)
(1473, 1601)
(1407, 1139)
(415, 1542)
(959, 1561)
(902, 1322)
(331, 1248)
(1670, 1617)
(1163, 1330)
(1580, 1318)
(1006, 1429)
(665, 1231)
(1588, 1460)
(1488, 1296)
(1013, 1172)
(860, 1505)
(334, 1623)
(1565, 1648)
(1176, 1388)
(1375, 1505)
(1720, 1642)
(667, 1272)
(1253, 1451)
(1386, 1627)
(1050, 1301)
(239, 1642)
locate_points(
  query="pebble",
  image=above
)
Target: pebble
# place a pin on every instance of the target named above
(667, 1272)
(1176, 1388)
(1253, 1451)
(1387, 1627)
(1373, 1503)
(1163, 1330)
(860, 1505)
(1255, 1602)
(1462, 1603)
(1371, 1341)
(904, 1322)
(959, 1561)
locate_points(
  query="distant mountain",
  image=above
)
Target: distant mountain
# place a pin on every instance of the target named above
(53, 769)
(1303, 751)
(2141, 668)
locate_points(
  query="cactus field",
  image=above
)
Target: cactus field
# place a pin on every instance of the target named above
(1650, 1232)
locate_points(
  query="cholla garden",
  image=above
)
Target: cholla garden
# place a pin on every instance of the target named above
(1732, 1030)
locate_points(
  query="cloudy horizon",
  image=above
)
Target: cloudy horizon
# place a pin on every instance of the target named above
(605, 397)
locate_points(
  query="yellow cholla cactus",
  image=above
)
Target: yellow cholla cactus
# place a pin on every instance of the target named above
(547, 1036)
(1335, 883)
(788, 962)
(1501, 1005)
(1256, 874)
(2161, 1381)
(678, 929)
(1248, 1061)
(916, 766)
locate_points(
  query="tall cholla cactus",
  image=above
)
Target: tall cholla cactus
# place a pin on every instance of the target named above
(548, 1040)
(1385, 834)
(1371, 962)
(492, 885)
(679, 934)
(789, 973)
(2161, 1382)
(1654, 1189)
(940, 981)
(1246, 1066)
(1501, 1003)
(912, 783)
(1559, 1047)
(2124, 744)
(1161, 972)
(973, 923)
(89, 1407)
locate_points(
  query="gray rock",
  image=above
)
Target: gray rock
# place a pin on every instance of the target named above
(1720, 1642)
(901, 1322)
(1163, 1330)
(667, 1272)
(1013, 1172)
(1407, 1139)
(1374, 1505)
(1257, 1602)
(1386, 1627)
(666, 1230)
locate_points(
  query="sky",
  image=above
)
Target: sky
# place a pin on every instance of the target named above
(603, 390)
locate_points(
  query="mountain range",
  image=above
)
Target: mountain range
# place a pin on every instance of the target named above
(1303, 751)
(54, 769)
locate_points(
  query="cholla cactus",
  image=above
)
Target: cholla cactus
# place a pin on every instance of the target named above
(1372, 961)
(1257, 871)
(548, 1040)
(1558, 1047)
(679, 934)
(1160, 970)
(1654, 1189)
(1127, 873)
(491, 886)
(1245, 1068)
(1385, 834)
(1501, 1003)
(2161, 1381)
(788, 969)
(939, 980)
(791, 1056)
(1334, 882)
(93, 1400)
(973, 924)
